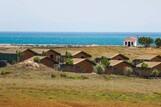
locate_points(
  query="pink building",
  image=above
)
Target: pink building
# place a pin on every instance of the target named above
(130, 42)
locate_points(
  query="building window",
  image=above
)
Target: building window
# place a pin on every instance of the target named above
(125, 43)
(82, 57)
(51, 56)
(129, 44)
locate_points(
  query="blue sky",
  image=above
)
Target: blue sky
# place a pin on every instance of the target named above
(80, 15)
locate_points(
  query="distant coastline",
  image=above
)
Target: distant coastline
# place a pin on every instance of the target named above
(51, 45)
(63, 39)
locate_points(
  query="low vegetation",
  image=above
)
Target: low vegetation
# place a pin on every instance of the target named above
(36, 59)
(155, 73)
(128, 71)
(144, 66)
(44, 87)
(68, 58)
(23, 86)
(69, 61)
(148, 41)
(158, 42)
(100, 69)
(104, 63)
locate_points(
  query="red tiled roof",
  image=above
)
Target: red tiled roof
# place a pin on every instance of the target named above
(131, 39)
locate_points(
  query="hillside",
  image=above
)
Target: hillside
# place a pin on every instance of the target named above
(23, 86)
(132, 52)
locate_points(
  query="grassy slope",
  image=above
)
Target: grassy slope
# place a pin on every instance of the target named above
(130, 52)
(101, 50)
(43, 87)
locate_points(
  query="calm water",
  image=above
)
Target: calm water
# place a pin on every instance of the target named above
(69, 38)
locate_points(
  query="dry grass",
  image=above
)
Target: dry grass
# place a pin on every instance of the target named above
(31, 103)
(44, 87)
(73, 91)
(132, 52)
(79, 93)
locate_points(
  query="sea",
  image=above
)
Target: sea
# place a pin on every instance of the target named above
(69, 38)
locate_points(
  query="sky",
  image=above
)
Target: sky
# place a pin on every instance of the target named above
(80, 15)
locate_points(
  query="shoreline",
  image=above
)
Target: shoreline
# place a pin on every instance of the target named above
(52, 45)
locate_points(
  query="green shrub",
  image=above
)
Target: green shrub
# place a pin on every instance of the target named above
(73, 76)
(130, 62)
(155, 73)
(53, 76)
(4, 72)
(128, 71)
(158, 42)
(144, 65)
(68, 54)
(69, 61)
(99, 68)
(36, 59)
(145, 73)
(104, 61)
(63, 75)
(146, 41)
(83, 77)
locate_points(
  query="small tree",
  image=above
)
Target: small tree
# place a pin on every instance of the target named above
(100, 69)
(144, 65)
(104, 61)
(145, 72)
(155, 73)
(68, 58)
(158, 42)
(69, 61)
(36, 59)
(146, 41)
(128, 71)
(68, 54)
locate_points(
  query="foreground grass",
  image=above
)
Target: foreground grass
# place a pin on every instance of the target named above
(78, 91)
(44, 87)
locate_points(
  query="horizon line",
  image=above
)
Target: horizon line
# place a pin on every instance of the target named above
(66, 32)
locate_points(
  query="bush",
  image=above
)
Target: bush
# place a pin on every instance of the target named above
(83, 77)
(100, 69)
(69, 61)
(158, 42)
(63, 75)
(53, 76)
(68, 54)
(128, 71)
(144, 65)
(74, 77)
(36, 59)
(146, 41)
(104, 61)
(145, 73)
(4, 72)
(155, 73)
